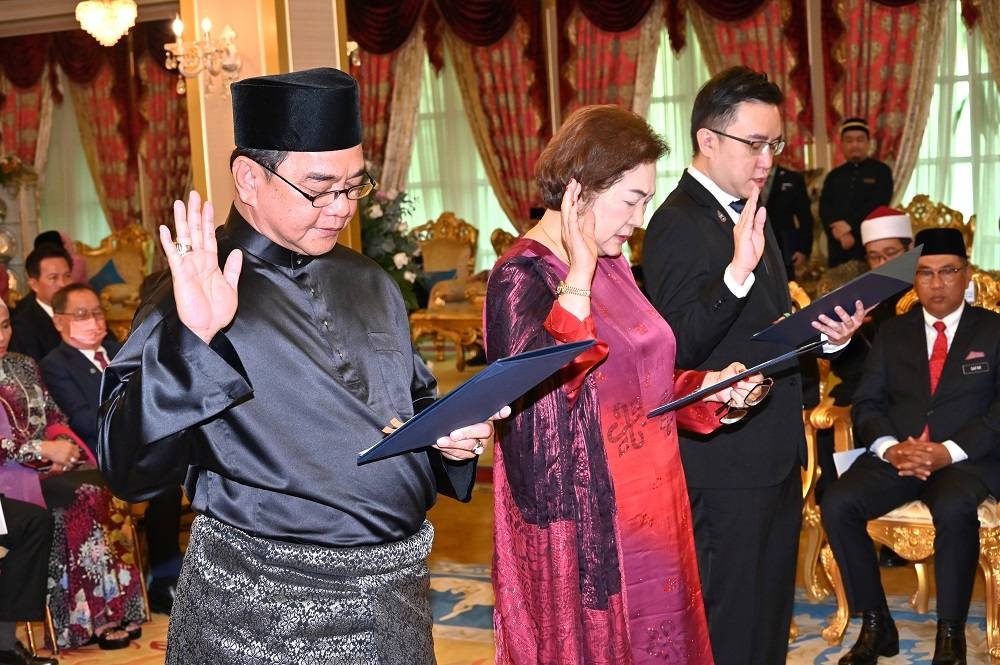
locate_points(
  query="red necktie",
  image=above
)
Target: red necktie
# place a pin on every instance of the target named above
(101, 359)
(938, 355)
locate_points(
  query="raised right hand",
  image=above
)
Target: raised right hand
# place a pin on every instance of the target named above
(748, 238)
(206, 296)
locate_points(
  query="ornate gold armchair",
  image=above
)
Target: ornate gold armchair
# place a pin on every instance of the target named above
(455, 306)
(908, 529)
(116, 268)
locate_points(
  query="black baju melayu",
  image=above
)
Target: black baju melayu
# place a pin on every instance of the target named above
(266, 422)
(850, 192)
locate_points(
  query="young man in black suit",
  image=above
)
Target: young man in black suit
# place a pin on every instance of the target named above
(73, 372)
(743, 480)
(48, 268)
(928, 408)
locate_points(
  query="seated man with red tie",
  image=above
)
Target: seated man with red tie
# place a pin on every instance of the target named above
(73, 373)
(928, 409)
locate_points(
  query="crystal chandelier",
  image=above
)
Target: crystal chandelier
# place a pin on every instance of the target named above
(106, 20)
(217, 56)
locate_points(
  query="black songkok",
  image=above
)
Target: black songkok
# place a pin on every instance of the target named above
(855, 124)
(48, 238)
(315, 110)
(941, 241)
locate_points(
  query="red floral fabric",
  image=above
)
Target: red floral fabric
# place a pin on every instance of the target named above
(20, 117)
(117, 184)
(868, 51)
(165, 147)
(600, 65)
(773, 40)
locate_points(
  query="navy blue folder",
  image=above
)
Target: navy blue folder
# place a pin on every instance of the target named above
(477, 399)
(871, 288)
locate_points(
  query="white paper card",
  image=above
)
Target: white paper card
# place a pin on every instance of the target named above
(844, 460)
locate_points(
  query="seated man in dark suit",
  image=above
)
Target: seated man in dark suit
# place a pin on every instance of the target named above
(27, 540)
(928, 408)
(72, 373)
(48, 269)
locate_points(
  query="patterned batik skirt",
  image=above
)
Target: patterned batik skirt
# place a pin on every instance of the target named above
(245, 600)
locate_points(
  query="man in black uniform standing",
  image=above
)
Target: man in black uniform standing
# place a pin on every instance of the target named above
(851, 191)
(790, 213)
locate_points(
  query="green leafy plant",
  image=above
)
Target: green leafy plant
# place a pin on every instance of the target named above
(386, 239)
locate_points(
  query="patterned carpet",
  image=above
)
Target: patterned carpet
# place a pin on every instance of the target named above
(462, 602)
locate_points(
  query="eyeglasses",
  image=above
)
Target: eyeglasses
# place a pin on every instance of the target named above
(887, 255)
(948, 275)
(326, 198)
(776, 147)
(729, 413)
(84, 314)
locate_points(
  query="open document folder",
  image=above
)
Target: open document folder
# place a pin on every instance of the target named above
(735, 378)
(871, 288)
(477, 399)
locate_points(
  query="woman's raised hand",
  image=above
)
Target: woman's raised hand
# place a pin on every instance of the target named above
(748, 238)
(205, 295)
(578, 228)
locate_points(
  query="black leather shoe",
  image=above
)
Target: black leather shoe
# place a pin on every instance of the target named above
(878, 637)
(161, 595)
(888, 558)
(21, 656)
(949, 647)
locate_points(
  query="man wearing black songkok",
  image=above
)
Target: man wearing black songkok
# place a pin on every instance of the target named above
(298, 555)
(928, 409)
(851, 191)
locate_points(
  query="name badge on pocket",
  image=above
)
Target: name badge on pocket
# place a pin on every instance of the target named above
(980, 367)
(869, 181)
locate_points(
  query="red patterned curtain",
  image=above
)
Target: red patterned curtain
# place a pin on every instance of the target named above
(868, 50)
(106, 149)
(496, 49)
(601, 64)
(380, 28)
(165, 147)
(376, 83)
(771, 38)
(20, 117)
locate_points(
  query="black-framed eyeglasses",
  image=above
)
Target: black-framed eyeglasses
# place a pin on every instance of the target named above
(776, 146)
(728, 413)
(326, 198)
(948, 274)
(84, 314)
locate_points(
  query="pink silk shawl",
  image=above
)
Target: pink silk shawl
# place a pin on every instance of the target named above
(594, 558)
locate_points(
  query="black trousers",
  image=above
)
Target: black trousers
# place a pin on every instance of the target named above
(747, 542)
(24, 571)
(871, 488)
(163, 525)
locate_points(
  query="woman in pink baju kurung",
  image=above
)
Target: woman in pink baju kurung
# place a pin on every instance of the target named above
(594, 554)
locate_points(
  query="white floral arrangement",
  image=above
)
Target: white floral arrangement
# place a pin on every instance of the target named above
(385, 238)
